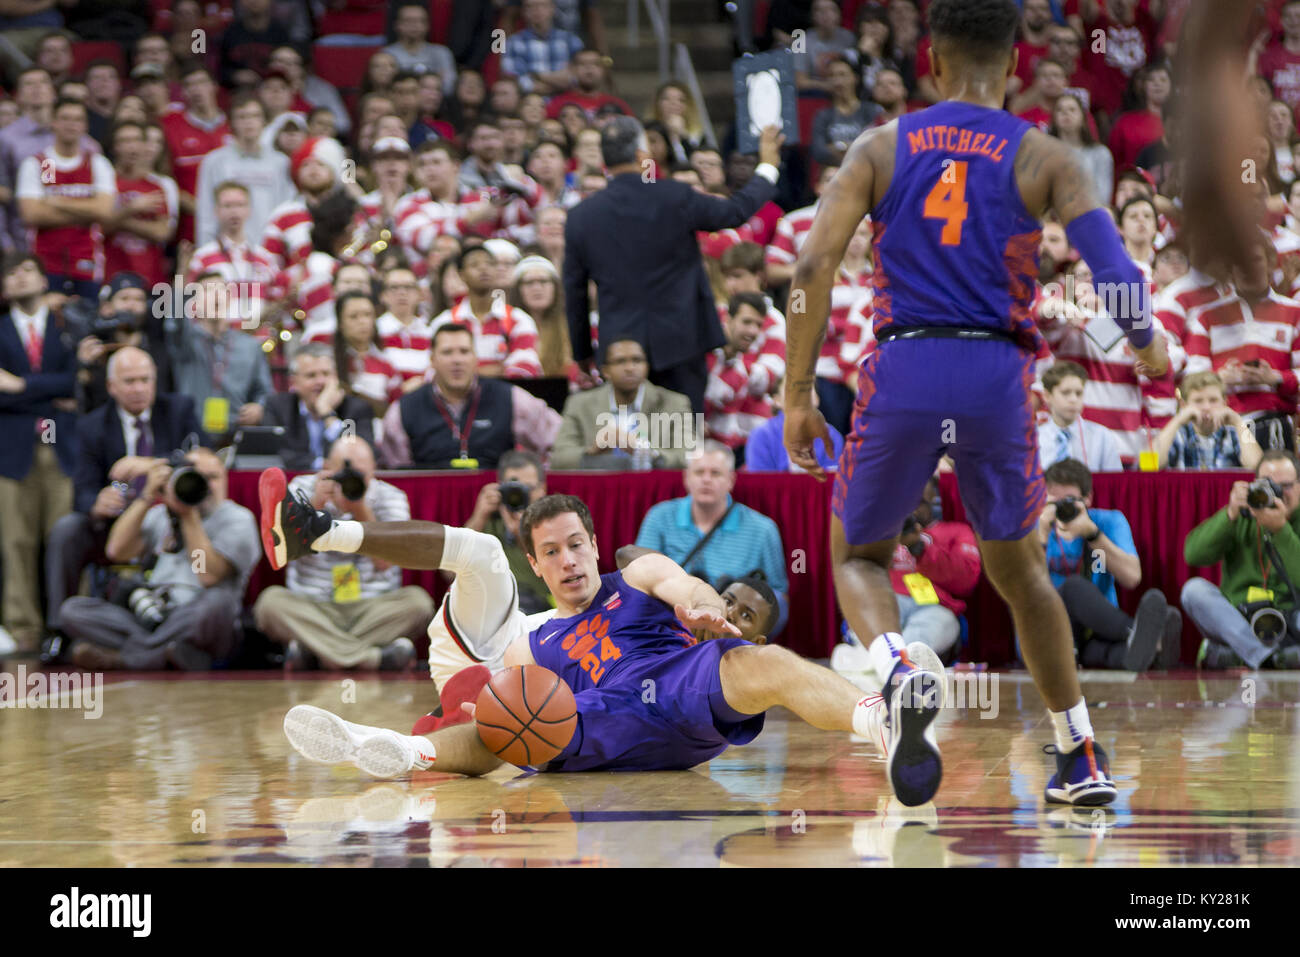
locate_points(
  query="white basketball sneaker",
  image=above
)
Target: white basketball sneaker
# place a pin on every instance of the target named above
(322, 736)
(914, 693)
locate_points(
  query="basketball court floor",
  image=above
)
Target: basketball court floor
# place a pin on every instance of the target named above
(181, 771)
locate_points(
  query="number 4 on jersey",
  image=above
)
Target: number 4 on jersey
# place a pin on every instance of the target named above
(947, 201)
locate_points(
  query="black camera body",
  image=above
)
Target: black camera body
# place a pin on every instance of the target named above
(1262, 493)
(514, 496)
(187, 483)
(1068, 509)
(105, 327)
(351, 482)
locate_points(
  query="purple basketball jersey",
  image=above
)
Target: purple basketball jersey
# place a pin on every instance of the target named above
(954, 244)
(620, 626)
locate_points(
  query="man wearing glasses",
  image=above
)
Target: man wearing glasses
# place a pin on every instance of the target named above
(1065, 46)
(1250, 618)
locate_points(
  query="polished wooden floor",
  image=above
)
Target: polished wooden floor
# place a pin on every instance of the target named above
(182, 772)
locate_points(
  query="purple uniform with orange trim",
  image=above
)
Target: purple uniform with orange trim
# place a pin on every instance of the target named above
(649, 696)
(954, 246)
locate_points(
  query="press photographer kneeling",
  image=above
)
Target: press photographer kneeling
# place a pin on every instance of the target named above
(1250, 618)
(202, 547)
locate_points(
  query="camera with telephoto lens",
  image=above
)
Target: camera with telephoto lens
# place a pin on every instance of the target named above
(351, 482)
(1262, 493)
(1266, 620)
(1068, 509)
(187, 483)
(514, 495)
(105, 327)
(150, 606)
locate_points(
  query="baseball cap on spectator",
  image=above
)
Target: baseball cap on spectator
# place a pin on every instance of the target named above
(389, 145)
(278, 73)
(535, 262)
(319, 148)
(610, 109)
(123, 280)
(502, 250)
(147, 71)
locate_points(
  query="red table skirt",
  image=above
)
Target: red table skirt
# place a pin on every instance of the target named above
(1162, 508)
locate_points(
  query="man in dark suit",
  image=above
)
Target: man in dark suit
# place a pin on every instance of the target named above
(119, 442)
(38, 438)
(637, 240)
(316, 411)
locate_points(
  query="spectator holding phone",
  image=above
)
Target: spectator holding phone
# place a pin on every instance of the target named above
(1249, 617)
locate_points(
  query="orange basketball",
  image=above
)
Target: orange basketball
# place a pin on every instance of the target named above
(526, 715)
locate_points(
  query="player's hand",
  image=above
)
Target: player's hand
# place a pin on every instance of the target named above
(706, 619)
(803, 426)
(469, 707)
(1237, 499)
(1153, 361)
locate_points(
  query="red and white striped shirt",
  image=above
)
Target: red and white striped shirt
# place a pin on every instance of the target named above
(737, 399)
(313, 301)
(847, 292)
(1265, 331)
(242, 263)
(859, 335)
(1115, 396)
(770, 344)
(372, 376)
(791, 231)
(507, 335)
(406, 347)
(125, 251)
(288, 233)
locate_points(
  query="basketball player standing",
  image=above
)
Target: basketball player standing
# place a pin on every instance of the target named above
(956, 193)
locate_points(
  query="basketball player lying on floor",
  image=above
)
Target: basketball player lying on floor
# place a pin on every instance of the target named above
(649, 696)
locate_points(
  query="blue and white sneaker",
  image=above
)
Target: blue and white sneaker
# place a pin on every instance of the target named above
(913, 696)
(1082, 777)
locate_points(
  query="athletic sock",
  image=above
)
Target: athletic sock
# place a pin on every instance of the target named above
(425, 754)
(884, 652)
(342, 537)
(1072, 726)
(866, 716)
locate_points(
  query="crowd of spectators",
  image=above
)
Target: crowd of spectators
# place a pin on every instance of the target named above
(384, 261)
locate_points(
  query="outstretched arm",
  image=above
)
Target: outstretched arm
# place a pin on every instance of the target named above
(630, 553)
(694, 600)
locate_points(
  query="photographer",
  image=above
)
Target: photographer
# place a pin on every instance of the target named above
(935, 567)
(120, 320)
(204, 547)
(117, 445)
(342, 610)
(521, 480)
(1249, 617)
(1089, 551)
